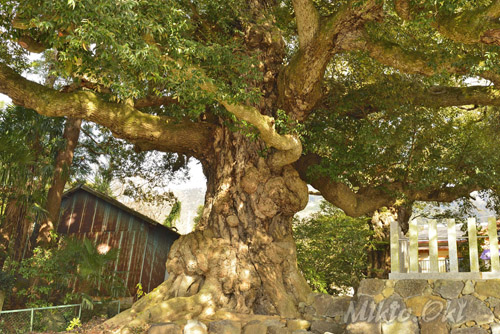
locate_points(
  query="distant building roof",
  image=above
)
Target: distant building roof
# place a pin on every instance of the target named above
(116, 203)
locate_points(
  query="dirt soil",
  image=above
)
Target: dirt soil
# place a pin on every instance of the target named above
(94, 326)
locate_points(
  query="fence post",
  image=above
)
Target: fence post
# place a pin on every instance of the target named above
(31, 321)
(433, 246)
(474, 261)
(414, 246)
(394, 247)
(452, 246)
(492, 233)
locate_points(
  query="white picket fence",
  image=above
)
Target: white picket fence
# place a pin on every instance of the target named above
(405, 262)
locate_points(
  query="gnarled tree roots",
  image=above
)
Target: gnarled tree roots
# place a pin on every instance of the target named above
(210, 274)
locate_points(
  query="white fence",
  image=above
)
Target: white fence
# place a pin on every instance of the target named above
(405, 261)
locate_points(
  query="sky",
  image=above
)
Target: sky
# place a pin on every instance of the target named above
(4, 99)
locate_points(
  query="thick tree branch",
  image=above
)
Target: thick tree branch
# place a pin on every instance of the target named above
(443, 194)
(289, 147)
(439, 96)
(360, 102)
(479, 26)
(353, 203)
(406, 61)
(31, 45)
(491, 76)
(307, 18)
(299, 83)
(411, 61)
(403, 9)
(368, 199)
(145, 130)
(471, 27)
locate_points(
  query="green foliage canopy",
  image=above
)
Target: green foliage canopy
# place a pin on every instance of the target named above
(392, 99)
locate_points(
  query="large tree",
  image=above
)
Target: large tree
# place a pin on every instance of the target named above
(368, 101)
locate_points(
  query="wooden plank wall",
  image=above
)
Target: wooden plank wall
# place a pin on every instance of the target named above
(143, 248)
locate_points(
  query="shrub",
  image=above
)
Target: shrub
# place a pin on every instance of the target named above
(332, 249)
(53, 274)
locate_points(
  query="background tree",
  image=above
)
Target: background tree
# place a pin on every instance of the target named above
(60, 177)
(369, 101)
(29, 143)
(174, 215)
(332, 249)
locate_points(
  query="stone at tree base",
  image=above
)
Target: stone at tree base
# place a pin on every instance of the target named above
(378, 298)
(488, 288)
(421, 304)
(364, 328)
(390, 308)
(432, 315)
(410, 287)
(294, 324)
(308, 312)
(468, 308)
(360, 309)
(302, 307)
(371, 287)
(321, 326)
(468, 288)
(274, 323)
(195, 327)
(405, 327)
(330, 306)
(165, 328)
(438, 326)
(495, 329)
(388, 291)
(254, 327)
(480, 297)
(278, 330)
(448, 289)
(224, 327)
(494, 305)
(471, 330)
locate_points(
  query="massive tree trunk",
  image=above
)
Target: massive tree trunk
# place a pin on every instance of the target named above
(63, 163)
(242, 256)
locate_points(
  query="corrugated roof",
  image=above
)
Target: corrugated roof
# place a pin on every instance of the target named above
(116, 203)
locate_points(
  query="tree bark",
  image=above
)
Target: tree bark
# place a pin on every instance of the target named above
(6, 231)
(63, 163)
(2, 299)
(242, 256)
(13, 231)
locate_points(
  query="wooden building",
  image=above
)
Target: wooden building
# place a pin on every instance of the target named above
(142, 243)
